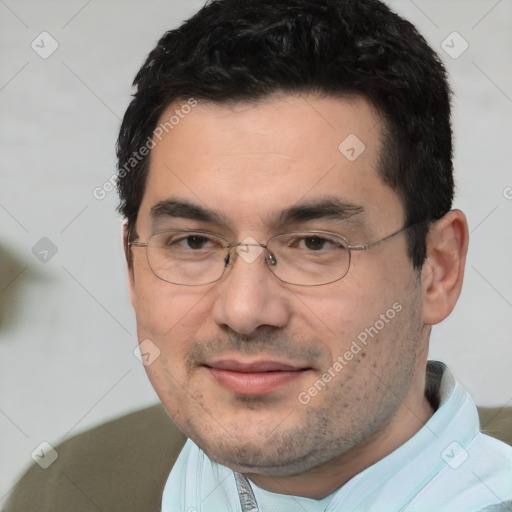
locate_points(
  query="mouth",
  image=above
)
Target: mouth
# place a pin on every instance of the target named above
(254, 378)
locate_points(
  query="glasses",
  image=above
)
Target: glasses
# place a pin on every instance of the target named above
(303, 258)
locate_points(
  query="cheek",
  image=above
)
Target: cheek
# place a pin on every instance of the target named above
(172, 319)
(353, 312)
(164, 309)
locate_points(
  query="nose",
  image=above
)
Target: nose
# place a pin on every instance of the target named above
(249, 296)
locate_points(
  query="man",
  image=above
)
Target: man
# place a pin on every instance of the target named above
(290, 244)
(286, 178)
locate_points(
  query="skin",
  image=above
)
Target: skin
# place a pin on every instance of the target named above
(249, 161)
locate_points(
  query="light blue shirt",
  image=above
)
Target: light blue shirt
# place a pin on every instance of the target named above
(447, 466)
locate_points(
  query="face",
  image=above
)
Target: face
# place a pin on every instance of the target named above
(268, 377)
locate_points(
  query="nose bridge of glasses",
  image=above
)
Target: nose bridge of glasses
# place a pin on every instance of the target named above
(247, 250)
(253, 244)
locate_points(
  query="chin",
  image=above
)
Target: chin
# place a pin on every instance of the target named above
(269, 454)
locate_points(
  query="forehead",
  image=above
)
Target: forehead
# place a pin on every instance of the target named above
(251, 160)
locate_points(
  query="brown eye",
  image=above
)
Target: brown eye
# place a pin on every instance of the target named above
(194, 242)
(314, 243)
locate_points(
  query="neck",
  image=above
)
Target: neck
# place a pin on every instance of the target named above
(324, 479)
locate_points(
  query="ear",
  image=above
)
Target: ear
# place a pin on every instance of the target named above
(129, 261)
(443, 270)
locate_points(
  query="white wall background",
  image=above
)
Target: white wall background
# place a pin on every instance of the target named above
(67, 330)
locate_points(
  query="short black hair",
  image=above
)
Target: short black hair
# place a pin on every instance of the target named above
(236, 50)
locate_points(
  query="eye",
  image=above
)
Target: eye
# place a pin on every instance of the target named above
(316, 243)
(194, 242)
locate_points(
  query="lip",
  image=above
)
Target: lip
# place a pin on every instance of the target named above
(253, 378)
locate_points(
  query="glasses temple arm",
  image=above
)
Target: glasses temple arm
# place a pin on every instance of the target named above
(378, 242)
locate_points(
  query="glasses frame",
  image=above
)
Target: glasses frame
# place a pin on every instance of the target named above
(268, 254)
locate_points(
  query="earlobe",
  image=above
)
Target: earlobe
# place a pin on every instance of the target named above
(443, 270)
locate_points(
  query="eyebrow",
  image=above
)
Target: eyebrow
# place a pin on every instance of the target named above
(185, 210)
(323, 208)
